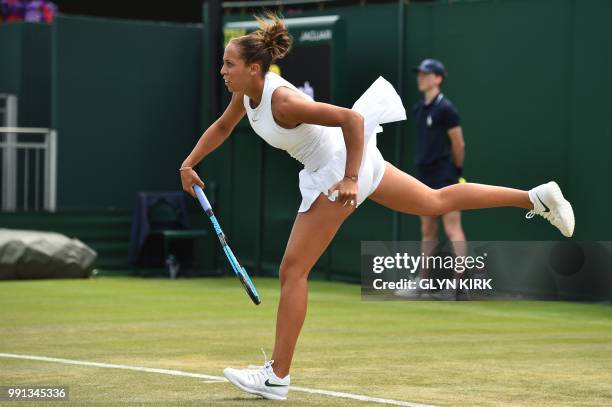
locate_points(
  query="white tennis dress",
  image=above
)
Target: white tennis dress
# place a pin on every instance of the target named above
(321, 149)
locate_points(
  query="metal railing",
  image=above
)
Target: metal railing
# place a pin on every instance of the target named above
(42, 194)
(28, 159)
(8, 110)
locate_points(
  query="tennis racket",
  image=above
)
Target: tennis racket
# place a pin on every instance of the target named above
(241, 273)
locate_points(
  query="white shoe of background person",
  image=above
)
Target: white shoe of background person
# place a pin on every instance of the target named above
(408, 293)
(548, 202)
(262, 382)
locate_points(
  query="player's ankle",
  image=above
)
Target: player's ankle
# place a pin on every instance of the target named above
(280, 372)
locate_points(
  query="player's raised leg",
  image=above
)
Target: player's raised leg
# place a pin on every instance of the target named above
(312, 232)
(402, 192)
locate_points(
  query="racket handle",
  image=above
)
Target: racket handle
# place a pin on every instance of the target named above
(202, 197)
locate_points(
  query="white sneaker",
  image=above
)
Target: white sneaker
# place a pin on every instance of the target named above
(262, 382)
(408, 293)
(548, 202)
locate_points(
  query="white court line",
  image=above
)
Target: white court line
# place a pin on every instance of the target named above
(113, 366)
(212, 379)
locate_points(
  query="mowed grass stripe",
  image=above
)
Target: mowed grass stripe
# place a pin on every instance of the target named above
(470, 353)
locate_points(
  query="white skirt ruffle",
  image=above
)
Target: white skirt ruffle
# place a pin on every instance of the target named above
(379, 104)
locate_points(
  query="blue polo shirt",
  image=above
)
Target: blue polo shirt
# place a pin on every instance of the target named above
(433, 122)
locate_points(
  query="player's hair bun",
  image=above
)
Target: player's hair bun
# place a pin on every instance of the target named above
(274, 36)
(270, 42)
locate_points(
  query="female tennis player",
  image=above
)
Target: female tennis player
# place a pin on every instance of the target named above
(342, 167)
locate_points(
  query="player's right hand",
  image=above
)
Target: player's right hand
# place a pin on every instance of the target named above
(188, 178)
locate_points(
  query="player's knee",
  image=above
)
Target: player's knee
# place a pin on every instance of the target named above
(291, 270)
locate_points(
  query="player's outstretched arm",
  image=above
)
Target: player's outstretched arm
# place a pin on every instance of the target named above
(212, 138)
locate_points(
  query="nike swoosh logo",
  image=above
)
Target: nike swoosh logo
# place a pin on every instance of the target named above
(543, 204)
(267, 383)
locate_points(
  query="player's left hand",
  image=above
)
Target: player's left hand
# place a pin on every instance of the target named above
(347, 191)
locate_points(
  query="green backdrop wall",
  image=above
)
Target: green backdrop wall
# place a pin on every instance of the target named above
(126, 105)
(25, 55)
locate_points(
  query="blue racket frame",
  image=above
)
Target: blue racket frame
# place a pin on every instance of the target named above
(240, 271)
